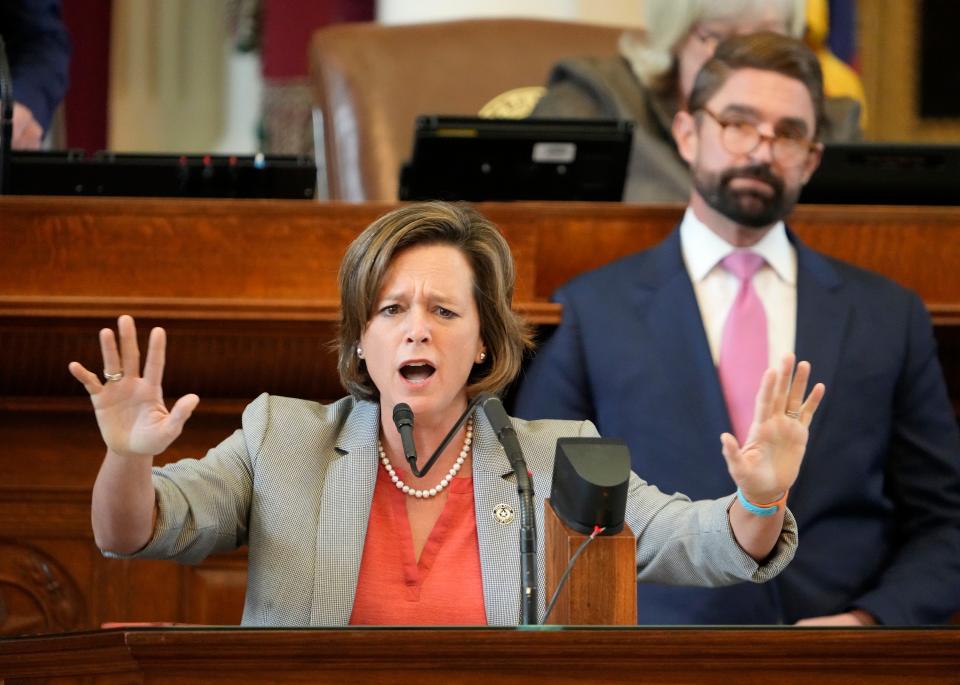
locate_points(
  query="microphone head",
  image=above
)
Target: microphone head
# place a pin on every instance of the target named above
(493, 408)
(402, 415)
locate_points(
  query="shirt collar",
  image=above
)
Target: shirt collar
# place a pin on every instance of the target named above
(703, 249)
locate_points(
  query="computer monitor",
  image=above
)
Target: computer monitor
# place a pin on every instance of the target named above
(469, 158)
(886, 174)
(70, 172)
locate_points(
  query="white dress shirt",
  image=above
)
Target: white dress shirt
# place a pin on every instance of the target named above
(716, 288)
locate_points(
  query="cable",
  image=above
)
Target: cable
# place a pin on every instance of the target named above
(420, 473)
(566, 573)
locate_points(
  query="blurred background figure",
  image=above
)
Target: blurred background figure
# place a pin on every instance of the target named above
(287, 91)
(38, 49)
(830, 33)
(651, 78)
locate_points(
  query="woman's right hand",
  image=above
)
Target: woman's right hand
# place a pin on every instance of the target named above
(131, 414)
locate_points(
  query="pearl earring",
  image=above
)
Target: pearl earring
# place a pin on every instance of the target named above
(483, 355)
(359, 352)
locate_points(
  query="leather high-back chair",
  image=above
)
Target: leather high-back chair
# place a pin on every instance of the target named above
(371, 81)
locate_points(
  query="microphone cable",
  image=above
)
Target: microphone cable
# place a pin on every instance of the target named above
(420, 473)
(566, 572)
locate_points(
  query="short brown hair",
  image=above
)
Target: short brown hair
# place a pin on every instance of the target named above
(505, 335)
(766, 51)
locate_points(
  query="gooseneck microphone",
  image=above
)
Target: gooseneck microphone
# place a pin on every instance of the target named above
(503, 428)
(403, 420)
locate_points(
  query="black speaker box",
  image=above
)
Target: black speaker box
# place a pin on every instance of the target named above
(590, 481)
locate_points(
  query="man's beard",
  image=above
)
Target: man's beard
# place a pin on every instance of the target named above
(746, 206)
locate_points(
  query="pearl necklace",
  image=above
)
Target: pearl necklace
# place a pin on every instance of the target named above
(444, 482)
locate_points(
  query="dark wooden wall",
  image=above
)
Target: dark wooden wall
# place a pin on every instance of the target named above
(247, 292)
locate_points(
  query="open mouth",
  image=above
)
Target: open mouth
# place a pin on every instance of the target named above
(417, 371)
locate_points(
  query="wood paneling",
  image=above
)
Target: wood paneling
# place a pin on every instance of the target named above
(601, 588)
(247, 291)
(491, 655)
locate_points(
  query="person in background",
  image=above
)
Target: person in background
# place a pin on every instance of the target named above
(662, 342)
(839, 78)
(340, 530)
(38, 50)
(650, 80)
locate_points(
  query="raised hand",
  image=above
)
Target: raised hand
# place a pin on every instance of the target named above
(131, 414)
(767, 465)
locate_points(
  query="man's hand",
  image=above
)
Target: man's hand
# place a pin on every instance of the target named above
(27, 133)
(857, 617)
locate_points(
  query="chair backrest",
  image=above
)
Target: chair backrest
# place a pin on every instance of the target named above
(371, 81)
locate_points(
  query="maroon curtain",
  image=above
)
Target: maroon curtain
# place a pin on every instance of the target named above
(85, 106)
(286, 28)
(288, 25)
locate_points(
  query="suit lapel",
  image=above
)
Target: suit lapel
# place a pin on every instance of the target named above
(822, 321)
(344, 514)
(673, 326)
(669, 308)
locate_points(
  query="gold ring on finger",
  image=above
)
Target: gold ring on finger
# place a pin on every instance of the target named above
(112, 377)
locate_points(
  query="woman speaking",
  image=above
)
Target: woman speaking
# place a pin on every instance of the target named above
(340, 529)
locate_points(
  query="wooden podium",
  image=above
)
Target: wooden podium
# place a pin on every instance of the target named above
(486, 655)
(602, 586)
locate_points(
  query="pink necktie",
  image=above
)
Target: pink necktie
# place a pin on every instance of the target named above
(743, 350)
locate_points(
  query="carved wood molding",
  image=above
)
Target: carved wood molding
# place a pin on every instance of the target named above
(36, 594)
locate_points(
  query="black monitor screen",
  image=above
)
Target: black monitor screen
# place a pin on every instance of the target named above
(886, 174)
(466, 158)
(157, 175)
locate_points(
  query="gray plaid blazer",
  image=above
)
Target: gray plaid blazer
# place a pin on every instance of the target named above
(296, 482)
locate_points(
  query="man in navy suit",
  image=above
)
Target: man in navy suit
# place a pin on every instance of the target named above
(878, 496)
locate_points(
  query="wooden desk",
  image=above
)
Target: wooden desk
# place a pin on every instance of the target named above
(247, 291)
(247, 288)
(488, 655)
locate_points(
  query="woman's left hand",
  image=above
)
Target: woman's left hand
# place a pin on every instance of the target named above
(766, 466)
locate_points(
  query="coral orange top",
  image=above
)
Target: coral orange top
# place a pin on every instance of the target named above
(444, 587)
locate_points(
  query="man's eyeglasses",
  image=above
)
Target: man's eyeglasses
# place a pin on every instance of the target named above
(742, 138)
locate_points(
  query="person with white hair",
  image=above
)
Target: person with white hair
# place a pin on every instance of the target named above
(649, 81)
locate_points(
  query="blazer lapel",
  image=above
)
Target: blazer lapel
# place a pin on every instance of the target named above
(344, 514)
(499, 544)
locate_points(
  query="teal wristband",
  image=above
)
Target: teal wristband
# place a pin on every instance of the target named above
(754, 509)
